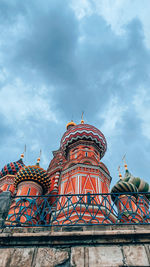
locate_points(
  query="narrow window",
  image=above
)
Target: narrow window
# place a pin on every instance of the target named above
(86, 154)
(29, 191)
(8, 187)
(88, 198)
(19, 192)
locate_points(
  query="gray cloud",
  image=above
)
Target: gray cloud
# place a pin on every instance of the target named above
(95, 65)
(5, 130)
(83, 65)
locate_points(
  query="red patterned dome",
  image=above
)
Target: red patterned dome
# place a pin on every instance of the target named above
(33, 173)
(84, 132)
(12, 168)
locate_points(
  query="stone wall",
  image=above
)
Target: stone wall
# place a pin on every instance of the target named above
(89, 247)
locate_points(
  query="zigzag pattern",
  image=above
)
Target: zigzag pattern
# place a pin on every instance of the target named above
(86, 132)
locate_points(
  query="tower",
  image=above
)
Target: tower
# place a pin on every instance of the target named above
(79, 170)
(29, 181)
(131, 198)
(7, 175)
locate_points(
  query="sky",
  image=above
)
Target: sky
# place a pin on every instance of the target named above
(61, 57)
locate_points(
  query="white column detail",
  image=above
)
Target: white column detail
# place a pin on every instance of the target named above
(78, 190)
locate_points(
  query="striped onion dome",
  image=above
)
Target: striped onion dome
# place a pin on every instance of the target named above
(123, 187)
(141, 185)
(12, 168)
(84, 132)
(33, 173)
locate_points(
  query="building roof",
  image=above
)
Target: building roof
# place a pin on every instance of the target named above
(84, 132)
(11, 168)
(33, 173)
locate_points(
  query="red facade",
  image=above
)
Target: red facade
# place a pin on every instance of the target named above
(76, 172)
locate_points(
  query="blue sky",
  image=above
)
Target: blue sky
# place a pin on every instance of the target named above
(59, 58)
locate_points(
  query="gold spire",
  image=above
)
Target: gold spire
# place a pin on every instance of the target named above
(120, 175)
(82, 121)
(125, 164)
(22, 155)
(39, 158)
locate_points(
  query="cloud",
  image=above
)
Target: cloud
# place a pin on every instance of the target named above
(77, 57)
(82, 8)
(113, 113)
(60, 58)
(142, 107)
(5, 130)
(120, 13)
(23, 104)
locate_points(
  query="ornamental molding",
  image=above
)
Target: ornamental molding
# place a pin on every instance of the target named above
(79, 165)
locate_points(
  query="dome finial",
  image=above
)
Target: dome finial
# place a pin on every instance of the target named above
(82, 121)
(70, 124)
(39, 158)
(125, 164)
(120, 175)
(22, 155)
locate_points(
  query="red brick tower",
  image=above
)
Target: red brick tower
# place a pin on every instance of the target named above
(8, 173)
(77, 169)
(29, 181)
(133, 201)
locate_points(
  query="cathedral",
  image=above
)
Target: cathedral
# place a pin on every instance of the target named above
(75, 189)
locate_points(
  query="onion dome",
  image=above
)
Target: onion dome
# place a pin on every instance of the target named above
(70, 124)
(12, 168)
(128, 176)
(123, 187)
(141, 185)
(84, 132)
(33, 173)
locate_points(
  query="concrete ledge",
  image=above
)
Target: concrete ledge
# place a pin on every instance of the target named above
(26, 238)
(107, 246)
